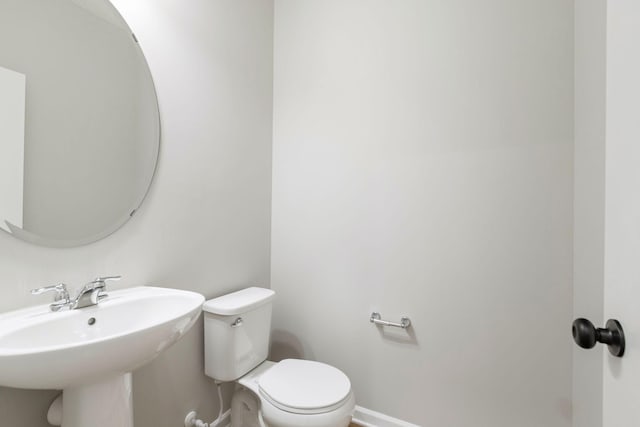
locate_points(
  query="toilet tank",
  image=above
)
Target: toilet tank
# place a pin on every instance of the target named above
(236, 332)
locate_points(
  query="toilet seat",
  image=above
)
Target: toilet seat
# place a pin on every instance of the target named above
(304, 387)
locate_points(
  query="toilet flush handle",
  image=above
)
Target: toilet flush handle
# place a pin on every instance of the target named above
(237, 322)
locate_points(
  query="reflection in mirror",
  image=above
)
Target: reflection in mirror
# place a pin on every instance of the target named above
(81, 139)
(12, 89)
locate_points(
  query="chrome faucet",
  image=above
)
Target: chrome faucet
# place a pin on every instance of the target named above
(93, 292)
(90, 294)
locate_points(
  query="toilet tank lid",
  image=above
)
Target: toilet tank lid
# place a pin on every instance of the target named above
(239, 302)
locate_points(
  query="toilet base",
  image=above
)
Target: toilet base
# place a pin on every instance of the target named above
(245, 409)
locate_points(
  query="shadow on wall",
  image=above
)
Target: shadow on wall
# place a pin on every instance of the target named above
(285, 345)
(31, 404)
(400, 336)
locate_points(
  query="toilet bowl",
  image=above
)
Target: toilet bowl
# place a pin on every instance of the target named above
(290, 393)
(294, 393)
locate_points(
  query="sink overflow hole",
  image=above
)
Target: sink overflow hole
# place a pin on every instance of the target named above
(91, 321)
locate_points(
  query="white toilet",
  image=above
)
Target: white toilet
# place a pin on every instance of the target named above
(291, 393)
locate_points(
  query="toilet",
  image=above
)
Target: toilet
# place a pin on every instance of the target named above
(290, 393)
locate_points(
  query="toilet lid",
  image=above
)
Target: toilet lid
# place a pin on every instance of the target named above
(304, 386)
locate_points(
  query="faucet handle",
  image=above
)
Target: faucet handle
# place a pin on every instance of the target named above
(60, 289)
(99, 282)
(61, 299)
(106, 278)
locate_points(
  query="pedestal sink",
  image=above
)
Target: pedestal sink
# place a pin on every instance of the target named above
(90, 353)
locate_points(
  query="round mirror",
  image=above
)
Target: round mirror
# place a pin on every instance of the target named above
(79, 122)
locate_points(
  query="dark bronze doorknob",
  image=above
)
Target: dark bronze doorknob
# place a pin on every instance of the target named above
(586, 335)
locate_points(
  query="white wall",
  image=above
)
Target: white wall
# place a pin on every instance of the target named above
(205, 225)
(588, 229)
(423, 166)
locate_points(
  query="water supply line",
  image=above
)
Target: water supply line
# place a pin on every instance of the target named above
(191, 420)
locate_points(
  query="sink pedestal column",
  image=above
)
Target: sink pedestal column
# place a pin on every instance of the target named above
(104, 404)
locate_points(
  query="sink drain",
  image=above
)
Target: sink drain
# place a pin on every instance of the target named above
(91, 321)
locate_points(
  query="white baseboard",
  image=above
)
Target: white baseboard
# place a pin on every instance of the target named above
(368, 418)
(362, 416)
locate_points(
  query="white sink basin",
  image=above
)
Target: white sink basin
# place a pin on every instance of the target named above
(77, 349)
(42, 349)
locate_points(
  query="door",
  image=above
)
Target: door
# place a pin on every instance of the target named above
(607, 206)
(621, 376)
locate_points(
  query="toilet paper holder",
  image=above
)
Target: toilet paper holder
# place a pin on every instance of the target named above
(376, 318)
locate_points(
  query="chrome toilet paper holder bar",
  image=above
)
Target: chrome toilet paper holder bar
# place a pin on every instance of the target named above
(405, 322)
